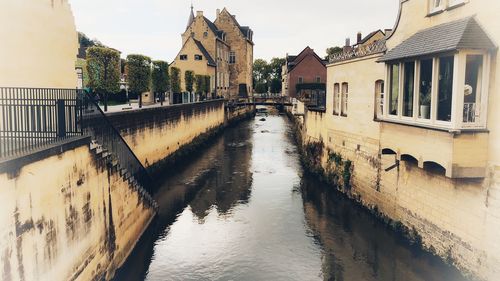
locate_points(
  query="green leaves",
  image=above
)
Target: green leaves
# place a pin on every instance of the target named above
(175, 79)
(160, 79)
(189, 80)
(139, 73)
(103, 67)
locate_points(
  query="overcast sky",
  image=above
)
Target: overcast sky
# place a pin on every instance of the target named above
(153, 27)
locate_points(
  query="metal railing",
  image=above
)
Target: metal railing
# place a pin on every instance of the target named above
(97, 125)
(34, 117)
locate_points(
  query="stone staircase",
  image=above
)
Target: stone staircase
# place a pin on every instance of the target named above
(107, 159)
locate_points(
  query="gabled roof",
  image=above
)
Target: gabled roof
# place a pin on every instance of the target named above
(293, 61)
(200, 46)
(370, 35)
(461, 34)
(243, 29)
(212, 26)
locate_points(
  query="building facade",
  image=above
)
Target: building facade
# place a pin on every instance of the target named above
(219, 51)
(305, 68)
(410, 119)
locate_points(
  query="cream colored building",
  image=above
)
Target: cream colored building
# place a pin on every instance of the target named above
(49, 60)
(415, 114)
(225, 46)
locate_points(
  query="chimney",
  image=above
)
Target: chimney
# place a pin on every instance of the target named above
(199, 13)
(217, 12)
(347, 42)
(359, 37)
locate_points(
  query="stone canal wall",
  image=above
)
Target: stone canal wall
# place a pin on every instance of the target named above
(457, 219)
(156, 133)
(67, 215)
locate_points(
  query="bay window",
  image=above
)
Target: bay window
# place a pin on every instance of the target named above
(447, 91)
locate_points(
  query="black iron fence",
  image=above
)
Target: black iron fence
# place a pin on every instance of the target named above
(97, 125)
(31, 118)
(34, 117)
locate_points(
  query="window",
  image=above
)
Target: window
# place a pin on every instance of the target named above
(183, 57)
(205, 34)
(472, 89)
(425, 89)
(318, 79)
(445, 88)
(408, 88)
(198, 57)
(301, 80)
(379, 98)
(232, 57)
(435, 5)
(394, 89)
(336, 98)
(345, 95)
(452, 3)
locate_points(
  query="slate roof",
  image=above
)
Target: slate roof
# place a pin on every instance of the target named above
(212, 26)
(461, 34)
(205, 53)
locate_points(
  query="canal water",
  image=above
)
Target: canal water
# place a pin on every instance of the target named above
(243, 209)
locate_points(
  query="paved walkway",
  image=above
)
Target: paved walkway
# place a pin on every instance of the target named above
(129, 107)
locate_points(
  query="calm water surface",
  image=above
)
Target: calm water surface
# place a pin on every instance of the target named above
(243, 210)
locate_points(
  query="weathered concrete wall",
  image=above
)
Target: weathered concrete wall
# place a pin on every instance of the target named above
(154, 134)
(67, 216)
(39, 44)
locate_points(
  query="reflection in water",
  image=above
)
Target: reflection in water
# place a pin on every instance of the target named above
(242, 210)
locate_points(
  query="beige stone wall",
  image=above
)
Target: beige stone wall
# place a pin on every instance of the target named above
(456, 218)
(39, 44)
(155, 134)
(241, 71)
(67, 217)
(199, 67)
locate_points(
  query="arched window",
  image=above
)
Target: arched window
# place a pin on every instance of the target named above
(336, 98)
(345, 96)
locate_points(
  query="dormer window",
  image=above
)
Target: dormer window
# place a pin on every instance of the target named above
(183, 57)
(435, 6)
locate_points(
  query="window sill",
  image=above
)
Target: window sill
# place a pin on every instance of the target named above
(435, 12)
(433, 127)
(454, 6)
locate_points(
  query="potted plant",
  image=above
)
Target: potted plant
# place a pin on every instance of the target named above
(425, 104)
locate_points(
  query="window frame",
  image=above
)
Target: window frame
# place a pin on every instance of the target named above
(198, 57)
(344, 99)
(183, 57)
(232, 57)
(300, 80)
(457, 103)
(336, 99)
(435, 9)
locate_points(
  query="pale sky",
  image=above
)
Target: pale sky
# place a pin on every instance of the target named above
(153, 27)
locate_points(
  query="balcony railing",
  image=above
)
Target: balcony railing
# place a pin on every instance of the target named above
(34, 117)
(358, 52)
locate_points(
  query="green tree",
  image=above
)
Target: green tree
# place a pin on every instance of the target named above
(159, 78)
(206, 85)
(199, 84)
(275, 86)
(139, 74)
(189, 80)
(275, 68)
(103, 67)
(175, 79)
(333, 51)
(261, 72)
(261, 88)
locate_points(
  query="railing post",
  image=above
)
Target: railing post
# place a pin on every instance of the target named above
(61, 119)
